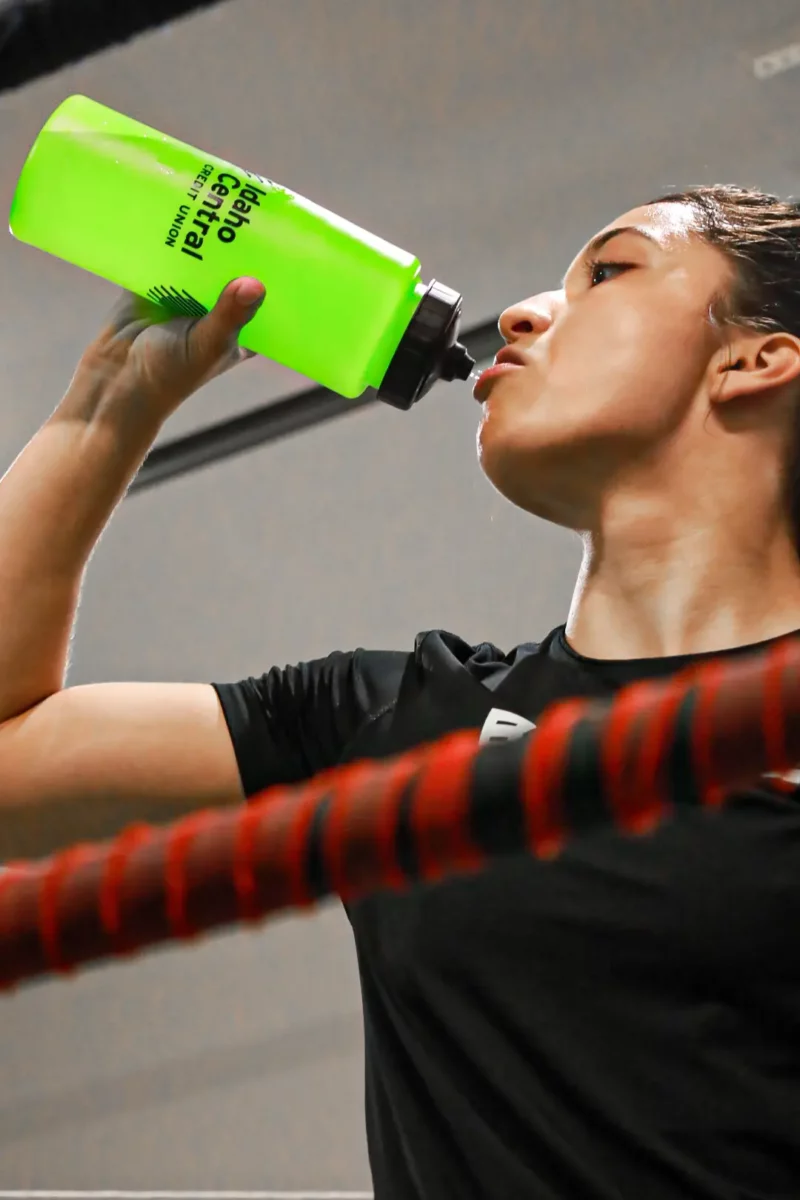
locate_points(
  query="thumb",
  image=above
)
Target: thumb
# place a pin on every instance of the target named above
(215, 335)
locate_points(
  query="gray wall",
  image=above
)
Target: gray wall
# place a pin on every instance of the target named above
(491, 137)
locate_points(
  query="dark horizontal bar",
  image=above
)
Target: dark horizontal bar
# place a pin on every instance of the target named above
(38, 37)
(272, 421)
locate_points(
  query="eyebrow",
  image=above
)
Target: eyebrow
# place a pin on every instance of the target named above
(597, 243)
(602, 239)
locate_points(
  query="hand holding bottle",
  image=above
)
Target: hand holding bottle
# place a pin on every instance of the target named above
(152, 362)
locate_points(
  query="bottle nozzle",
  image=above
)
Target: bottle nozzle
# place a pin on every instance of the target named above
(428, 350)
(458, 363)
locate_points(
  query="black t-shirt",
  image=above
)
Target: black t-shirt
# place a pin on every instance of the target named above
(621, 1023)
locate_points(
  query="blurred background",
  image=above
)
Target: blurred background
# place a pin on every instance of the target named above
(491, 138)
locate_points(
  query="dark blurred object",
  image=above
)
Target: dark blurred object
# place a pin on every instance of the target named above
(38, 37)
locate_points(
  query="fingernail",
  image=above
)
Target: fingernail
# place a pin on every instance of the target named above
(249, 292)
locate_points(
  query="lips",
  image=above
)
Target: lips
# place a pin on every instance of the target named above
(507, 360)
(510, 354)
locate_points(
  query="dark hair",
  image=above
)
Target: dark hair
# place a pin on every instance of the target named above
(759, 234)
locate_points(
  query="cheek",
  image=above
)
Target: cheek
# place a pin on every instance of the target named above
(623, 372)
(626, 362)
(618, 364)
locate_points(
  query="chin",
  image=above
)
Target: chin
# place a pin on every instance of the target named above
(531, 473)
(507, 465)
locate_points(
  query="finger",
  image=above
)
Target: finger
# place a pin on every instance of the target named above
(129, 316)
(215, 335)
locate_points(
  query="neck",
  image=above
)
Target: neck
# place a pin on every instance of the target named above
(656, 582)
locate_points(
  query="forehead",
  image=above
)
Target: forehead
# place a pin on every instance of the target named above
(671, 227)
(672, 224)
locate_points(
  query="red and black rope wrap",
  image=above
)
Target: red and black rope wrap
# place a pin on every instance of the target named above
(444, 809)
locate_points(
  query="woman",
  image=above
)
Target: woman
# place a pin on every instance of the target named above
(626, 1021)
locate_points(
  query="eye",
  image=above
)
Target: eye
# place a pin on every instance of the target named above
(600, 272)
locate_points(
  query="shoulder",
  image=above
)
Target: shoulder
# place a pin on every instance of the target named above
(295, 720)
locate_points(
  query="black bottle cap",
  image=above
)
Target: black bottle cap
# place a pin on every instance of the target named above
(429, 350)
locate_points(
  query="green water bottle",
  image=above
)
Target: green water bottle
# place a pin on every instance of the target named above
(175, 224)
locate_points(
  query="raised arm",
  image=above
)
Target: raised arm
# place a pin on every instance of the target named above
(77, 762)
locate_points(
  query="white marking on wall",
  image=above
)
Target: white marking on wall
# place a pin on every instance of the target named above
(777, 61)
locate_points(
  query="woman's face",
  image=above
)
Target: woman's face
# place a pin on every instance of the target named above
(611, 365)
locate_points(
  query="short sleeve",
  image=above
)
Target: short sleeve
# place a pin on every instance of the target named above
(294, 721)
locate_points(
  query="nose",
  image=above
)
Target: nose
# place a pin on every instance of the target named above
(532, 316)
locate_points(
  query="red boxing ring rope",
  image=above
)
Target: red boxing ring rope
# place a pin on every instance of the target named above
(631, 762)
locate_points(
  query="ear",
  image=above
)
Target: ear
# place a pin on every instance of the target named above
(753, 363)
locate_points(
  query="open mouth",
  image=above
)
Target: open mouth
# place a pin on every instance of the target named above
(488, 377)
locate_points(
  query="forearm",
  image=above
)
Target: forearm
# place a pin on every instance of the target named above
(55, 501)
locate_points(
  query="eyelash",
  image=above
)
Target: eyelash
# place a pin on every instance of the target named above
(594, 266)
